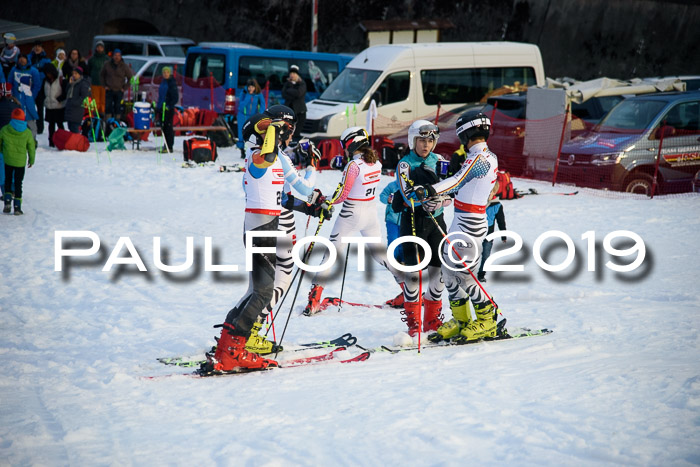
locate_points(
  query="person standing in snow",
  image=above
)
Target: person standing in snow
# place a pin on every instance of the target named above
(25, 87)
(55, 101)
(473, 184)
(115, 76)
(38, 59)
(9, 54)
(250, 103)
(393, 227)
(78, 90)
(264, 183)
(420, 167)
(357, 193)
(16, 143)
(165, 108)
(294, 94)
(64, 70)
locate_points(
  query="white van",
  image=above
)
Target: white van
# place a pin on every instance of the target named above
(407, 81)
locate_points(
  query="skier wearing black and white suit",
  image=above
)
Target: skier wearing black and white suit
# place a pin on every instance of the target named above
(472, 184)
(357, 193)
(264, 182)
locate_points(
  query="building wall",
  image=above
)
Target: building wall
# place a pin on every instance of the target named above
(582, 39)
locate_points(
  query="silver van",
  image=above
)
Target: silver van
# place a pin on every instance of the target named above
(131, 44)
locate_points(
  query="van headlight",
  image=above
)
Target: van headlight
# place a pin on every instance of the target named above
(323, 123)
(607, 158)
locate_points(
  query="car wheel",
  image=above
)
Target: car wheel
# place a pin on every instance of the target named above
(640, 183)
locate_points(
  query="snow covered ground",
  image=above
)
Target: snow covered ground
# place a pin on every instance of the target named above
(618, 382)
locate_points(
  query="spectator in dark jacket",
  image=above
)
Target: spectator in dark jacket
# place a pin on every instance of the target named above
(294, 93)
(38, 59)
(167, 100)
(96, 62)
(115, 75)
(78, 90)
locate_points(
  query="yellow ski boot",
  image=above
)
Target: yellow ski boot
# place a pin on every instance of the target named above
(461, 317)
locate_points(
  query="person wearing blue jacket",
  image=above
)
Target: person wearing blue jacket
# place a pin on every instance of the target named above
(26, 84)
(38, 59)
(167, 100)
(494, 216)
(250, 103)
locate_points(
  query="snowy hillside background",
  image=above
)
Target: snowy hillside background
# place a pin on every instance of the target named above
(618, 382)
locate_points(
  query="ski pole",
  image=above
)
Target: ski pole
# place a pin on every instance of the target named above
(342, 285)
(296, 293)
(444, 235)
(92, 126)
(102, 128)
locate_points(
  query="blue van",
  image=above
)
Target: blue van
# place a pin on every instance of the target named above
(216, 76)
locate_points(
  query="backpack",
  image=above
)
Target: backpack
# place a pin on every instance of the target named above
(329, 149)
(223, 139)
(92, 129)
(505, 186)
(199, 150)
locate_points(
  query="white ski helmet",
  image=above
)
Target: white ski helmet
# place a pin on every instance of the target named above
(422, 129)
(9, 38)
(354, 138)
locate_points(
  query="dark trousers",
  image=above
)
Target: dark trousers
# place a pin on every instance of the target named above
(113, 102)
(14, 175)
(40, 110)
(54, 121)
(425, 229)
(261, 284)
(485, 253)
(74, 127)
(167, 126)
(301, 118)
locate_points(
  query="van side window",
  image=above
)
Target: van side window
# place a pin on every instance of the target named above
(153, 50)
(127, 48)
(684, 118)
(394, 88)
(202, 64)
(317, 74)
(467, 85)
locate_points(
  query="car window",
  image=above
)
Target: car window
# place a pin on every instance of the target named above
(394, 88)
(514, 108)
(135, 63)
(201, 65)
(175, 50)
(153, 50)
(351, 85)
(150, 71)
(632, 115)
(127, 48)
(468, 85)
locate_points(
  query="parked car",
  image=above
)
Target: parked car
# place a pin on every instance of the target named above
(620, 152)
(131, 44)
(149, 71)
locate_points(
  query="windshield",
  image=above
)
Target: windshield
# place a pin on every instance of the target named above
(135, 63)
(351, 85)
(175, 50)
(632, 115)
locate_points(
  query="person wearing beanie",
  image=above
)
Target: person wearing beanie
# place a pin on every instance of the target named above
(95, 64)
(26, 85)
(78, 90)
(16, 143)
(60, 64)
(115, 76)
(168, 96)
(9, 53)
(294, 94)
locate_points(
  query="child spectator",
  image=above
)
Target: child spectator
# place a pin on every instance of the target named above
(494, 215)
(16, 141)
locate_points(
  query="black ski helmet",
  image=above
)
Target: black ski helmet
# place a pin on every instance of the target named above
(354, 139)
(251, 128)
(285, 114)
(473, 124)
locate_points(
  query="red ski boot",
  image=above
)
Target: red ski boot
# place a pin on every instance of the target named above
(231, 354)
(412, 312)
(314, 305)
(432, 319)
(398, 301)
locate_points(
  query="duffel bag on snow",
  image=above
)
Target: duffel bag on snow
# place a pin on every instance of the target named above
(199, 150)
(65, 140)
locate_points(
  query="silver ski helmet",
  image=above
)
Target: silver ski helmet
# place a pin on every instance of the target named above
(473, 124)
(353, 139)
(285, 114)
(422, 129)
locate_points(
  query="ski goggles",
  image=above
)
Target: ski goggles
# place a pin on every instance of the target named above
(429, 131)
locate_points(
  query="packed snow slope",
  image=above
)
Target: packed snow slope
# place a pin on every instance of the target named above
(618, 382)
